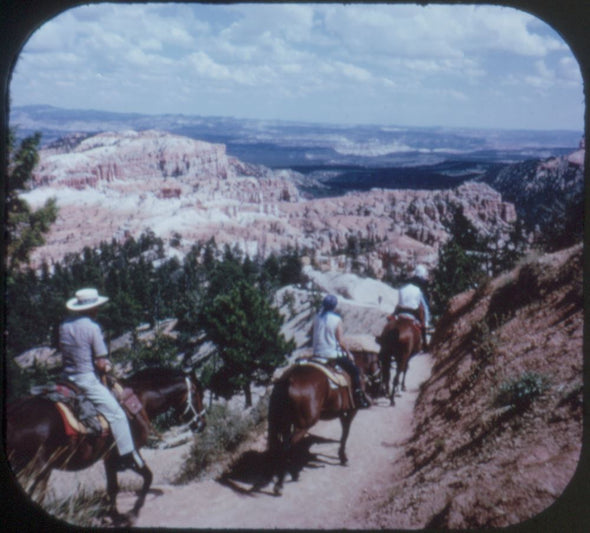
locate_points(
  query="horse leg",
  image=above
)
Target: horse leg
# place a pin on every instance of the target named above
(147, 476)
(395, 385)
(112, 490)
(404, 378)
(280, 466)
(346, 421)
(278, 440)
(385, 375)
(295, 454)
(404, 371)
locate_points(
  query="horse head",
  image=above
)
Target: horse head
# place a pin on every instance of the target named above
(194, 410)
(161, 389)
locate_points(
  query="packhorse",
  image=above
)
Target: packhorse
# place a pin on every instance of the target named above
(300, 398)
(401, 338)
(39, 440)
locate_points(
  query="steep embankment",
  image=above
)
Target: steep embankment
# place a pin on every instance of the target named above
(498, 426)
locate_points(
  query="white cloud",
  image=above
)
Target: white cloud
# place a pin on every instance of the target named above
(314, 55)
(352, 71)
(569, 70)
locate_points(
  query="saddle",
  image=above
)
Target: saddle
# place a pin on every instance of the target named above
(79, 415)
(337, 377)
(415, 322)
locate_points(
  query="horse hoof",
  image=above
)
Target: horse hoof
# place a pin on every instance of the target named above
(119, 520)
(131, 518)
(277, 491)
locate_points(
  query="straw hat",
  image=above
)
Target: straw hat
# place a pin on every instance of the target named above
(85, 299)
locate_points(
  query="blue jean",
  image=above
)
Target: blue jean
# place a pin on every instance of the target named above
(352, 370)
(107, 405)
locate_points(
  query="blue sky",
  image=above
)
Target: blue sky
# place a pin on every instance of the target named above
(455, 66)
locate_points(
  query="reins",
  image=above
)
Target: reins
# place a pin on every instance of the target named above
(189, 407)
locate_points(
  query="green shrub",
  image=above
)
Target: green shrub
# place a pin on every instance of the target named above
(226, 429)
(519, 393)
(484, 341)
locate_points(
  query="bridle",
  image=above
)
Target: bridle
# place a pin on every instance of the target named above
(197, 416)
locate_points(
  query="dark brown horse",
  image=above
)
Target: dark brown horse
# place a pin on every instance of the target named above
(401, 338)
(301, 398)
(37, 442)
(369, 367)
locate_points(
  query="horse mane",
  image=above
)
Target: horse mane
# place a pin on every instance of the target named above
(153, 377)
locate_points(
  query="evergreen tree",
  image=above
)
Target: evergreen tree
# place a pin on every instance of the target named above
(24, 227)
(468, 258)
(246, 331)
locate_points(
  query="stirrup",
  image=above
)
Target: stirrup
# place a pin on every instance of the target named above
(131, 460)
(360, 400)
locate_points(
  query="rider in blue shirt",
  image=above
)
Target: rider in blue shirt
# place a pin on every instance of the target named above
(328, 343)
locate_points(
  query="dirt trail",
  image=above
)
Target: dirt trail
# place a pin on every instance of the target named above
(326, 496)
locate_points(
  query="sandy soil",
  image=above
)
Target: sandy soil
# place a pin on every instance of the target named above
(326, 496)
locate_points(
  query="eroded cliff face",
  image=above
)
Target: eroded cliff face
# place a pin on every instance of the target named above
(130, 155)
(536, 186)
(112, 185)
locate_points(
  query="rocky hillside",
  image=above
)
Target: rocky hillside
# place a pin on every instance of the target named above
(112, 185)
(498, 425)
(534, 186)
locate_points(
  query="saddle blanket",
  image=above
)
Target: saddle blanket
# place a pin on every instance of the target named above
(336, 378)
(74, 427)
(79, 415)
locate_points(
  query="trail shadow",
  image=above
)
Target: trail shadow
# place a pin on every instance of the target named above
(251, 472)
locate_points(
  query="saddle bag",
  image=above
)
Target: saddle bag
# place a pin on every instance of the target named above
(127, 398)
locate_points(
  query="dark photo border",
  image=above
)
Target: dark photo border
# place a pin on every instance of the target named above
(570, 18)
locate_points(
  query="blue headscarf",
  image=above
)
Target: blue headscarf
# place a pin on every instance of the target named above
(329, 304)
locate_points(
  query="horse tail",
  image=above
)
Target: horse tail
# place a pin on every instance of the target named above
(279, 421)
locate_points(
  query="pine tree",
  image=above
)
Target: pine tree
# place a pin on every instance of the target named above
(246, 331)
(24, 227)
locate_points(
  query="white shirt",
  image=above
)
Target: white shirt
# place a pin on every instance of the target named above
(410, 297)
(325, 343)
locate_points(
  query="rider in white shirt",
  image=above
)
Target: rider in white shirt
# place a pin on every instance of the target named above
(412, 300)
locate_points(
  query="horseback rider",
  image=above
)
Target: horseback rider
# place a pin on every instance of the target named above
(328, 343)
(84, 353)
(412, 299)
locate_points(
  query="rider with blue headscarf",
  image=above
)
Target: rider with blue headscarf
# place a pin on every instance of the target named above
(328, 343)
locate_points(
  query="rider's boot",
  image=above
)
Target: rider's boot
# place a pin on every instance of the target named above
(361, 400)
(130, 460)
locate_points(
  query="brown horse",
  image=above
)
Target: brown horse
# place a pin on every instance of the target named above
(37, 442)
(401, 338)
(301, 398)
(369, 367)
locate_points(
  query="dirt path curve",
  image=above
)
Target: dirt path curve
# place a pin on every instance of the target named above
(326, 496)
